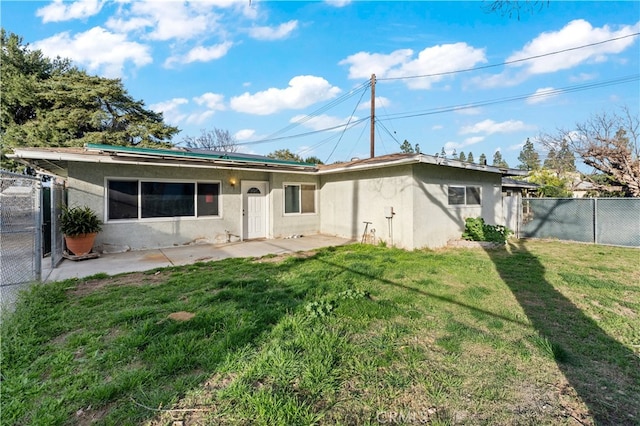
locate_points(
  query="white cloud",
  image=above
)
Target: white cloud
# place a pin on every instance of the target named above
(303, 90)
(245, 134)
(200, 54)
(435, 61)
(97, 49)
(58, 11)
(473, 140)
(338, 3)
(363, 64)
(490, 127)
(213, 101)
(171, 110)
(450, 146)
(583, 76)
(381, 102)
(322, 122)
(576, 33)
(542, 95)
(167, 19)
(273, 33)
(437, 127)
(199, 117)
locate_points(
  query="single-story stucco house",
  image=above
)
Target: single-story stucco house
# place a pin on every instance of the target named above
(152, 198)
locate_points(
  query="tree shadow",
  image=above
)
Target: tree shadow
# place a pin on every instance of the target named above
(604, 373)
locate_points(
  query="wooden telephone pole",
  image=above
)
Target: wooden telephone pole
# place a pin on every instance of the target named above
(372, 138)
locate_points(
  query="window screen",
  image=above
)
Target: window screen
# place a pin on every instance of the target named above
(122, 199)
(163, 199)
(208, 194)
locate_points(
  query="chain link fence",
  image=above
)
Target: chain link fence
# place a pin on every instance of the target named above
(20, 234)
(614, 221)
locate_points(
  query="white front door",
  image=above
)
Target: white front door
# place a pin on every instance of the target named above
(254, 202)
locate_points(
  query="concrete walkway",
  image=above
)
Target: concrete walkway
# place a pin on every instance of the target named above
(145, 260)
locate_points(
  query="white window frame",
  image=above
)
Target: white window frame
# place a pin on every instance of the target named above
(299, 185)
(166, 218)
(465, 203)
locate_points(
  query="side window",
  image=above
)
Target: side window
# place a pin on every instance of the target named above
(208, 199)
(465, 195)
(299, 199)
(122, 199)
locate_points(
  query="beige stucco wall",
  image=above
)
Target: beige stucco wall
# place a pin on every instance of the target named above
(435, 221)
(351, 198)
(418, 194)
(87, 186)
(292, 224)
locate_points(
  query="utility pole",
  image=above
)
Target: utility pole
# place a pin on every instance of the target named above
(373, 115)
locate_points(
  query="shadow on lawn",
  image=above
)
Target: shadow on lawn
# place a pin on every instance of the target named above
(604, 373)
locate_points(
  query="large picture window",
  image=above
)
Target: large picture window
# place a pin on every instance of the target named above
(464, 195)
(136, 199)
(299, 198)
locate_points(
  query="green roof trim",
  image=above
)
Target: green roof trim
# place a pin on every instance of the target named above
(187, 154)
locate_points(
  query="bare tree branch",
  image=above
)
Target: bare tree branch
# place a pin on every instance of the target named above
(213, 140)
(609, 143)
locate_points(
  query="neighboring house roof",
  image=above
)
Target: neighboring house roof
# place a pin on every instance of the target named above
(518, 184)
(55, 160)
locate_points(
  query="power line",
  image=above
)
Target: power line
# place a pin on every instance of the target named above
(345, 129)
(317, 112)
(554, 92)
(508, 62)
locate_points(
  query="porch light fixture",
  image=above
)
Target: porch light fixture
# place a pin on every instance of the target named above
(232, 182)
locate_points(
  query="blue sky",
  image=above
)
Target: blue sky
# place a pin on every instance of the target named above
(278, 74)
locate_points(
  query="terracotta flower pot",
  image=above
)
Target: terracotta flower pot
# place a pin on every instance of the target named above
(80, 244)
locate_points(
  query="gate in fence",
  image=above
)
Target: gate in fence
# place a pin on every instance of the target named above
(614, 221)
(20, 233)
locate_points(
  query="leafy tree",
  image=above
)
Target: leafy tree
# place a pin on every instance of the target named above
(498, 161)
(51, 103)
(470, 158)
(529, 158)
(313, 160)
(551, 185)
(608, 142)
(213, 140)
(462, 157)
(482, 160)
(285, 154)
(406, 147)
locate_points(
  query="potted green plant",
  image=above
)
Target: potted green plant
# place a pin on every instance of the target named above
(80, 225)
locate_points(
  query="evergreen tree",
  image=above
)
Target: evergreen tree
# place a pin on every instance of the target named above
(462, 157)
(482, 160)
(470, 158)
(51, 103)
(443, 153)
(529, 159)
(562, 160)
(406, 147)
(498, 161)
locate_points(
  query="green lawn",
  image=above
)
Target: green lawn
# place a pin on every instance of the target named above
(537, 333)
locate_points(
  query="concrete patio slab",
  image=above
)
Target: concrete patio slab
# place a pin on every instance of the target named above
(144, 260)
